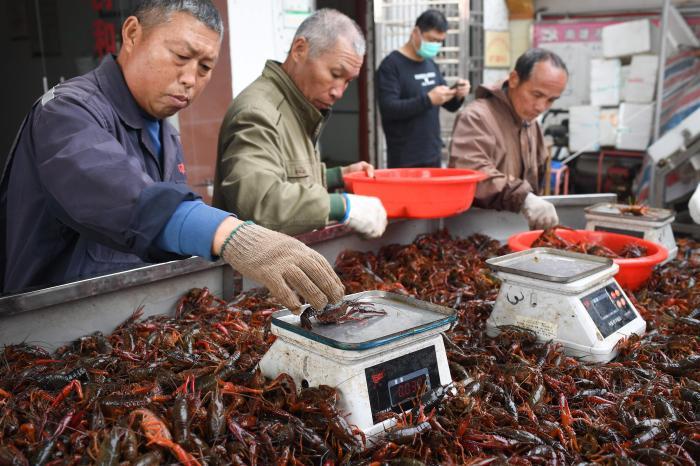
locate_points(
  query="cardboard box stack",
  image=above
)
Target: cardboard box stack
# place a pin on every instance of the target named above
(605, 82)
(626, 39)
(634, 127)
(584, 128)
(641, 81)
(607, 125)
(623, 85)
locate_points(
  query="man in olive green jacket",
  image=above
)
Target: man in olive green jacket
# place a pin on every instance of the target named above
(268, 168)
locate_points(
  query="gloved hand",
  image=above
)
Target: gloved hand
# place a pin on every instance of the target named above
(282, 264)
(539, 213)
(365, 215)
(694, 205)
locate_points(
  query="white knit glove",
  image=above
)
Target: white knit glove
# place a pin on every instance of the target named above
(694, 205)
(539, 213)
(365, 215)
(282, 264)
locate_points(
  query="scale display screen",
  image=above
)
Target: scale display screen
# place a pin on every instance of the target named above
(609, 309)
(393, 384)
(408, 386)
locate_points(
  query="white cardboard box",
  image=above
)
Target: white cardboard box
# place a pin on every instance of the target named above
(634, 126)
(641, 80)
(584, 132)
(628, 38)
(608, 126)
(624, 73)
(605, 82)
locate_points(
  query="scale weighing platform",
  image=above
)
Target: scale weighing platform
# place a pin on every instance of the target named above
(377, 365)
(566, 297)
(654, 225)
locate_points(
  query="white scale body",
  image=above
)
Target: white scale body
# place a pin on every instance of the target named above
(654, 226)
(566, 297)
(376, 365)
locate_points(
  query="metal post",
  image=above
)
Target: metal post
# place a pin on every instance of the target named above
(661, 70)
(45, 78)
(370, 68)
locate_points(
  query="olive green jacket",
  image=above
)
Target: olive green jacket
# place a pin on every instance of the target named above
(268, 168)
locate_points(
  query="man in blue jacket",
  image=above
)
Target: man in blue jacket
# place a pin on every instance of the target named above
(411, 90)
(95, 182)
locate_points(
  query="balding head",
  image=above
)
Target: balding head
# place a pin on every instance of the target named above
(538, 80)
(325, 27)
(152, 13)
(326, 54)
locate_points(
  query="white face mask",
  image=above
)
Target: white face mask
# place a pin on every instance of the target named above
(428, 49)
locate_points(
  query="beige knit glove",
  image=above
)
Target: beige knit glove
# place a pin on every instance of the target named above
(282, 264)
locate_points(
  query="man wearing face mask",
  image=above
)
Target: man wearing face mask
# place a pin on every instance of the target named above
(269, 169)
(498, 134)
(411, 90)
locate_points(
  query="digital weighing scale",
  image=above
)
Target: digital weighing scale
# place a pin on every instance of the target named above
(654, 225)
(377, 365)
(566, 297)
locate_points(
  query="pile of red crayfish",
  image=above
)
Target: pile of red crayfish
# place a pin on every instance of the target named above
(550, 239)
(185, 387)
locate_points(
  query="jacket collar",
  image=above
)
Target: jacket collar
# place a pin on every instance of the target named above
(498, 91)
(113, 85)
(310, 116)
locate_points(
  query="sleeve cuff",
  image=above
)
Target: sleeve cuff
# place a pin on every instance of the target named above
(190, 230)
(334, 178)
(337, 211)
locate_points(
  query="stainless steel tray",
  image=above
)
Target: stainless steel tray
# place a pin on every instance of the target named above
(613, 210)
(550, 265)
(406, 316)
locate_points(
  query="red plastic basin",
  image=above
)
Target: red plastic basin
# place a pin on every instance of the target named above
(633, 272)
(418, 192)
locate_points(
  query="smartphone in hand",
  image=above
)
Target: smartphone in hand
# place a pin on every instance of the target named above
(456, 85)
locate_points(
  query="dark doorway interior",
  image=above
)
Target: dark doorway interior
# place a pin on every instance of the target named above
(47, 41)
(345, 137)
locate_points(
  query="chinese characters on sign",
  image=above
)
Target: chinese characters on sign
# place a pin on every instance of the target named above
(573, 32)
(497, 45)
(105, 40)
(103, 30)
(577, 43)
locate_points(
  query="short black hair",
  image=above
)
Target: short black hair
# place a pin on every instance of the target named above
(431, 20)
(153, 12)
(527, 61)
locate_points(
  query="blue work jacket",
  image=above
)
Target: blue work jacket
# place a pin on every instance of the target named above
(84, 191)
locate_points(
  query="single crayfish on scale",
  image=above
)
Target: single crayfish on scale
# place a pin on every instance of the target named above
(637, 210)
(345, 311)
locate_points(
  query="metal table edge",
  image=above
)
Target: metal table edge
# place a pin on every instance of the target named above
(32, 300)
(574, 200)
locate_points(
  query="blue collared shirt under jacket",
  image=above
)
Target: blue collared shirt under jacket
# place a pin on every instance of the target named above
(84, 192)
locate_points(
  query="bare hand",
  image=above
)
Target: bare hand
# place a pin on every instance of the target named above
(441, 94)
(462, 89)
(359, 167)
